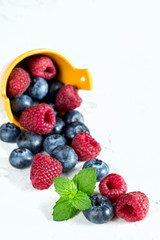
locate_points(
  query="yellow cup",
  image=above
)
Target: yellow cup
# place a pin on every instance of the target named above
(67, 74)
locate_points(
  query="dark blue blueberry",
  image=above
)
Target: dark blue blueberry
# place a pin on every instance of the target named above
(66, 155)
(102, 168)
(9, 132)
(30, 140)
(55, 110)
(53, 141)
(54, 87)
(21, 158)
(58, 128)
(38, 88)
(20, 103)
(72, 129)
(51, 104)
(34, 103)
(101, 210)
(73, 116)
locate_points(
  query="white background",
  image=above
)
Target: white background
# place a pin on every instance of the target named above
(119, 41)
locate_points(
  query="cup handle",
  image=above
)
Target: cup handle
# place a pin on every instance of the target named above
(83, 79)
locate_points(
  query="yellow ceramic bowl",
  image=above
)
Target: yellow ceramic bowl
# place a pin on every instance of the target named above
(67, 73)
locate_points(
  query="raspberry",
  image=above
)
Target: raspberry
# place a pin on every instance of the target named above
(112, 186)
(67, 98)
(39, 118)
(132, 206)
(44, 169)
(41, 66)
(18, 82)
(85, 146)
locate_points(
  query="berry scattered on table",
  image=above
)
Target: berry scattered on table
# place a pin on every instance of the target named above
(18, 82)
(41, 66)
(9, 132)
(102, 168)
(53, 141)
(38, 88)
(85, 146)
(101, 210)
(21, 158)
(66, 155)
(112, 186)
(30, 140)
(132, 206)
(73, 116)
(74, 128)
(20, 103)
(43, 170)
(39, 118)
(67, 98)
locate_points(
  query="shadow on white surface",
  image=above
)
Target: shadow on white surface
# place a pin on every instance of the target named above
(17, 177)
(47, 209)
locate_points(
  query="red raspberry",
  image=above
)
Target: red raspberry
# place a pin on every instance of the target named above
(43, 170)
(132, 206)
(112, 186)
(39, 118)
(41, 66)
(67, 98)
(85, 146)
(18, 82)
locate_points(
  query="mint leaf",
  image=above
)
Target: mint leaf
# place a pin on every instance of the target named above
(65, 187)
(63, 210)
(74, 194)
(81, 201)
(85, 180)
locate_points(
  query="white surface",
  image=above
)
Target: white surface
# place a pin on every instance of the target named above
(119, 41)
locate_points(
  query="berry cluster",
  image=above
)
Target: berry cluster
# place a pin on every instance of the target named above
(45, 108)
(38, 101)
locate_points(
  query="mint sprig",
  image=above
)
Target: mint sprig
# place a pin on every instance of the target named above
(74, 194)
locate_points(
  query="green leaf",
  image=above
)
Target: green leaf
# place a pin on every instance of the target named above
(85, 180)
(63, 210)
(81, 201)
(74, 194)
(65, 187)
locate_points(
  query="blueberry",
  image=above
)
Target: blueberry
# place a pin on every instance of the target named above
(21, 158)
(58, 128)
(54, 87)
(30, 140)
(102, 168)
(73, 116)
(38, 88)
(34, 103)
(101, 210)
(9, 132)
(55, 110)
(53, 141)
(74, 128)
(20, 103)
(66, 155)
(52, 105)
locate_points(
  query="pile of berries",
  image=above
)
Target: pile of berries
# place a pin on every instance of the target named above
(45, 109)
